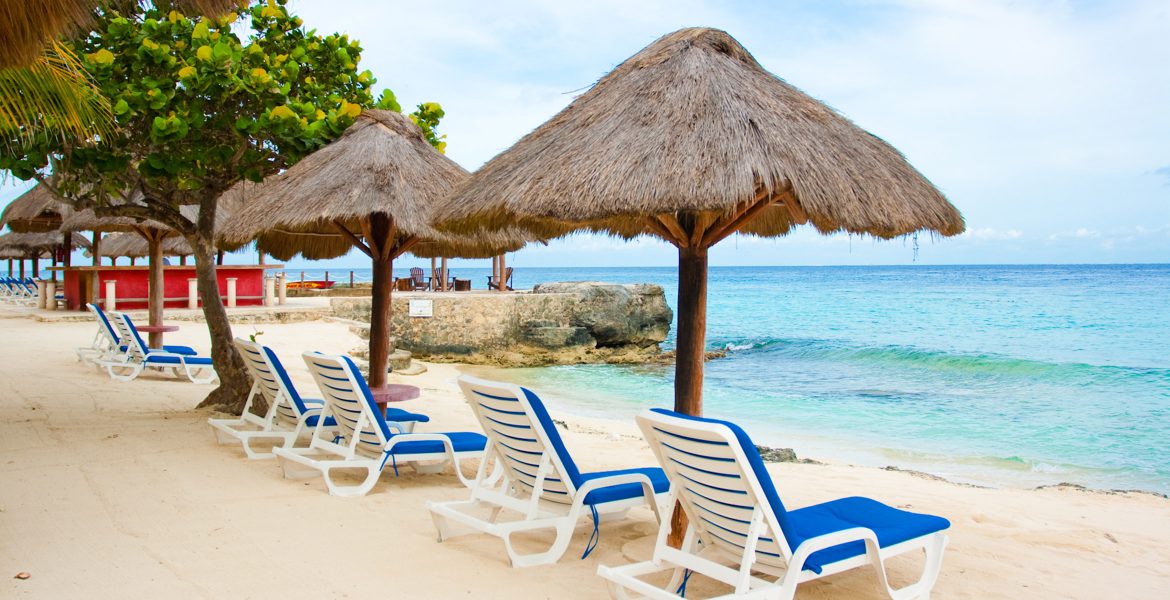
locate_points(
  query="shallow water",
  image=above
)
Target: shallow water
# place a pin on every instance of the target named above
(1000, 375)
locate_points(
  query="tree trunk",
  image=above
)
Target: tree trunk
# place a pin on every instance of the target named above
(154, 291)
(383, 265)
(692, 331)
(234, 383)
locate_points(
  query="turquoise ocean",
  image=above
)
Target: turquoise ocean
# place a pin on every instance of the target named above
(1013, 376)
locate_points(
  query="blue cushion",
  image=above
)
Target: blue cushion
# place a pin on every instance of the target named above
(288, 385)
(892, 526)
(554, 436)
(312, 421)
(364, 388)
(461, 441)
(397, 414)
(626, 490)
(174, 360)
(184, 350)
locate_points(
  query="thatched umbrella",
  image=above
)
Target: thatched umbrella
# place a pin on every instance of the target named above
(35, 211)
(134, 246)
(374, 188)
(487, 244)
(34, 245)
(691, 140)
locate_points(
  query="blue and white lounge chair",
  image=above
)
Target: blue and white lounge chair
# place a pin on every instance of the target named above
(289, 415)
(541, 482)
(106, 345)
(740, 533)
(363, 439)
(139, 357)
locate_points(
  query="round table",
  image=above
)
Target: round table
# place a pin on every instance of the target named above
(156, 333)
(393, 392)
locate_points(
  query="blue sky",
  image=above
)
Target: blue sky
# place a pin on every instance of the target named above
(1044, 122)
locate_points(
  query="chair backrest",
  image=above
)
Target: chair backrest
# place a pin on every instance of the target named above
(349, 401)
(128, 334)
(507, 275)
(720, 481)
(273, 382)
(416, 273)
(104, 323)
(523, 434)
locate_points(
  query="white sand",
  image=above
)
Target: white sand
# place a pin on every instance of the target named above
(111, 490)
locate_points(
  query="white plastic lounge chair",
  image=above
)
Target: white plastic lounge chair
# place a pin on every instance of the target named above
(139, 357)
(540, 480)
(363, 439)
(740, 533)
(289, 415)
(106, 346)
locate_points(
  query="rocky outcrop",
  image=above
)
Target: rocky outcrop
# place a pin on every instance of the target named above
(559, 323)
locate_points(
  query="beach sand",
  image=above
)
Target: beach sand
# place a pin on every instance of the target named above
(112, 490)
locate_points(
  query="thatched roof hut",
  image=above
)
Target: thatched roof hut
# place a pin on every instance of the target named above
(133, 245)
(35, 243)
(380, 165)
(691, 140)
(374, 188)
(35, 211)
(693, 123)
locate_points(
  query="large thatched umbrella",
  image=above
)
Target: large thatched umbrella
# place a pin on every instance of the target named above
(374, 188)
(691, 140)
(35, 211)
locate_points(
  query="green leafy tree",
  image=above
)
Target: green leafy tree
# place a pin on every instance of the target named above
(198, 110)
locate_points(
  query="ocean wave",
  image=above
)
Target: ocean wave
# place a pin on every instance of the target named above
(908, 356)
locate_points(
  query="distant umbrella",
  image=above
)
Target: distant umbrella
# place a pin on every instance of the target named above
(35, 211)
(691, 140)
(374, 188)
(133, 245)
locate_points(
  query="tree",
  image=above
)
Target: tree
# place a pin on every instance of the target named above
(200, 110)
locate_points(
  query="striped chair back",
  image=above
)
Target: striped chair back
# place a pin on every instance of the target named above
(348, 400)
(719, 486)
(104, 324)
(136, 347)
(271, 380)
(524, 437)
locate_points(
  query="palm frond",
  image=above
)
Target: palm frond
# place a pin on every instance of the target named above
(54, 96)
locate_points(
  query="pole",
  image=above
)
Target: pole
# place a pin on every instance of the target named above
(351, 280)
(443, 274)
(503, 272)
(22, 269)
(36, 269)
(96, 248)
(154, 294)
(692, 331)
(380, 242)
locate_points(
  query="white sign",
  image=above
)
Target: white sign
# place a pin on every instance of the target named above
(422, 308)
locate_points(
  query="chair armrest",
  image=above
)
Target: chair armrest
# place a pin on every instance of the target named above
(828, 540)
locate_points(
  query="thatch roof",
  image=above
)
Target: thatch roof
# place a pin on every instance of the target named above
(694, 124)
(37, 210)
(88, 220)
(26, 26)
(130, 244)
(38, 242)
(484, 244)
(381, 164)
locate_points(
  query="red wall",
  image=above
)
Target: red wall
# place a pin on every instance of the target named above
(132, 284)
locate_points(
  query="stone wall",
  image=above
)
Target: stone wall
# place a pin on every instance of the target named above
(559, 323)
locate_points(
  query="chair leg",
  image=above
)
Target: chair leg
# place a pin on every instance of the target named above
(934, 548)
(372, 475)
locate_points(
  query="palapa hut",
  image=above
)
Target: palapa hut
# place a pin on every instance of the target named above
(691, 140)
(135, 246)
(374, 188)
(35, 211)
(32, 246)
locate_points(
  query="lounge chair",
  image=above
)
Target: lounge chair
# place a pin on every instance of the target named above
(139, 357)
(540, 482)
(740, 533)
(106, 343)
(289, 415)
(495, 285)
(363, 439)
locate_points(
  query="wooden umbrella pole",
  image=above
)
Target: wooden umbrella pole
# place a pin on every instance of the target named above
(692, 330)
(154, 300)
(380, 240)
(442, 273)
(503, 273)
(36, 269)
(97, 248)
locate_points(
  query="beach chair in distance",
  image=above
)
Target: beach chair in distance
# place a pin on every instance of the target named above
(495, 285)
(541, 483)
(740, 533)
(106, 342)
(363, 439)
(289, 415)
(139, 357)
